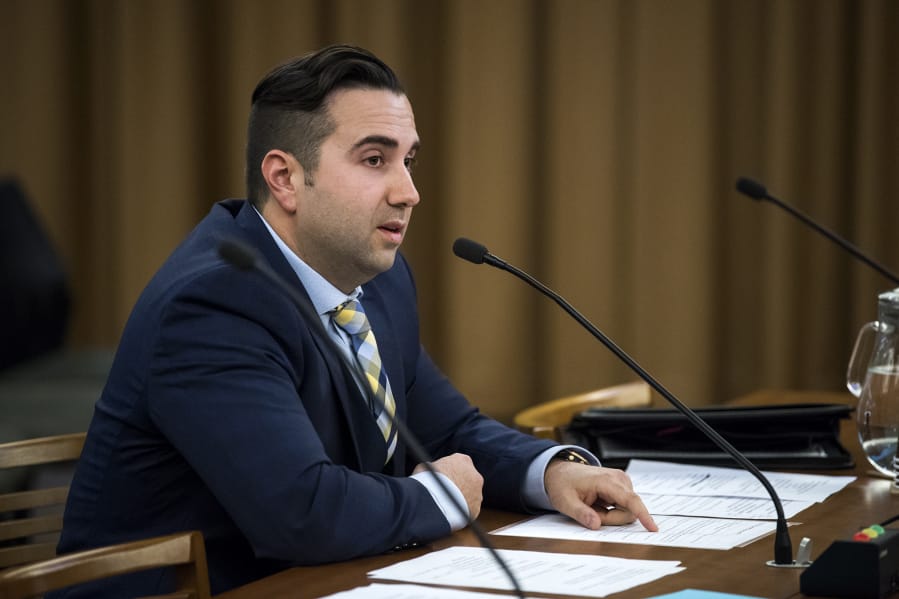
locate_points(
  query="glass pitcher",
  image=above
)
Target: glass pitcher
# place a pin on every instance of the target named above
(873, 377)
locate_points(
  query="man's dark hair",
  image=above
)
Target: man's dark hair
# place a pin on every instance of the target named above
(289, 107)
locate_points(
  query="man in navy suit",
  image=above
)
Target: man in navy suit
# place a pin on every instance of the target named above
(229, 412)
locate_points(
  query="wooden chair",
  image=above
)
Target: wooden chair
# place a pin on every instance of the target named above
(183, 551)
(22, 523)
(546, 420)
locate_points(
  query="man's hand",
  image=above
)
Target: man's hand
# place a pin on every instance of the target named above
(585, 493)
(459, 468)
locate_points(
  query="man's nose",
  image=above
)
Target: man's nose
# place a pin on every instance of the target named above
(404, 192)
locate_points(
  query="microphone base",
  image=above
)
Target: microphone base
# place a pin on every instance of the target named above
(793, 564)
(802, 557)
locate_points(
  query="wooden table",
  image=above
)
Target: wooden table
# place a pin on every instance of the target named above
(743, 571)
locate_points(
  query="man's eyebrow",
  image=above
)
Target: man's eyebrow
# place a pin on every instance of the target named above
(382, 140)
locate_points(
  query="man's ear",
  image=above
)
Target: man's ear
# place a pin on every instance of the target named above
(282, 174)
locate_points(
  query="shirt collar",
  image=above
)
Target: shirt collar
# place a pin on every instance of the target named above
(325, 296)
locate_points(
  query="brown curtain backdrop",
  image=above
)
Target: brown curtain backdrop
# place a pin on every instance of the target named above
(594, 143)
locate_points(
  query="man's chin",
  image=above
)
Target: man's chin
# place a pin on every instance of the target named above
(382, 262)
(387, 260)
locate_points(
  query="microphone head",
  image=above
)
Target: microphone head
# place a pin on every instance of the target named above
(469, 250)
(751, 188)
(237, 254)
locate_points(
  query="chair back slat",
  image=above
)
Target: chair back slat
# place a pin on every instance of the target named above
(43, 450)
(29, 518)
(26, 527)
(184, 551)
(24, 500)
(26, 554)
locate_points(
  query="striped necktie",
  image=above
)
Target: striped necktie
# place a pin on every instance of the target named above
(350, 317)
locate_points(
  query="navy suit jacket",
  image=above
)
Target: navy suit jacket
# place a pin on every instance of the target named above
(224, 413)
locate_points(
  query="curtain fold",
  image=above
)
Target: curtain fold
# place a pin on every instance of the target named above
(594, 143)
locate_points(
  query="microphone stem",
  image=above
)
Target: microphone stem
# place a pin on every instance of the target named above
(836, 239)
(783, 549)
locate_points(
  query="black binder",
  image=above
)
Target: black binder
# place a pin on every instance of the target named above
(805, 436)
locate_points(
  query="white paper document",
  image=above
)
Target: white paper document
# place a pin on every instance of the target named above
(751, 508)
(536, 571)
(669, 478)
(411, 591)
(674, 531)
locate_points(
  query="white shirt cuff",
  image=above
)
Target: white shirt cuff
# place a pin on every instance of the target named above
(457, 520)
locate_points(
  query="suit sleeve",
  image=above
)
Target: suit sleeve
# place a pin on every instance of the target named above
(222, 389)
(444, 420)
(442, 416)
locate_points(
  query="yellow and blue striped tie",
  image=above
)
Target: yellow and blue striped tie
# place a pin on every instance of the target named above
(351, 318)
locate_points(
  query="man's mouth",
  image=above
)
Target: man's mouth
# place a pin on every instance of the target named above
(394, 230)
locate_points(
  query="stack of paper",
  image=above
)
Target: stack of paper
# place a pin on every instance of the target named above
(536, 571)
(410, 591)
(703, 507)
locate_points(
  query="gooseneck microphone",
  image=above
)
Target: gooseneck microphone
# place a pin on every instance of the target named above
(478, 254)
(245, 258)
(757, 191)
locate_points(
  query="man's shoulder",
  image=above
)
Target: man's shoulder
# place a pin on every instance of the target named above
(195, 268)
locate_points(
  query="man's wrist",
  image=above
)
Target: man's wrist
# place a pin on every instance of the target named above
(534, 490)
(571, 455)
(448, 507)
